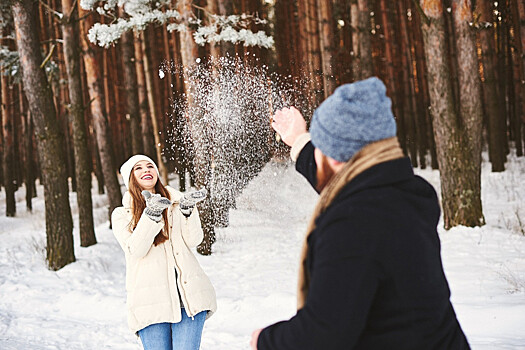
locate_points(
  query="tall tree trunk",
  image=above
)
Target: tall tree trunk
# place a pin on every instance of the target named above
(28, 146)
(519, 75)
(225, 9)
(459, 177)
(145, 120)
(202, 159)
(502, 74)
(356, 57)
(363, 67)
(153, 108)
(212, 7)
(98, 167)
(519, 14)
(303, 29)
(409, 102)
(521, 18)
(471, 113)
(491, 95)
(325, 18)
(155, 58)
(422, 83)
(130, 85)
(284, 21)
(59, 224)
(100, 120)
(76, 111)
(182, 144)
(344, 71)
(314, 45)
(8, 161)
(1, 150)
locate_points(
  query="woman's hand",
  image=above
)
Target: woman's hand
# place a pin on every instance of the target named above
(155, 205)
(289, 123)
(188, 201)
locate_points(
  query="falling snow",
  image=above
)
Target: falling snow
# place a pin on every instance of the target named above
(227, 115)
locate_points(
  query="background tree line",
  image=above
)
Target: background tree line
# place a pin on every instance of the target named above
(453, 68)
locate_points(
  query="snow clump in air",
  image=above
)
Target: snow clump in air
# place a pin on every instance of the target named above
(226, 116)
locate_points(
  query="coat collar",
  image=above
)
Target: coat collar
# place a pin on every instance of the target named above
(382, 174)
(174, 194)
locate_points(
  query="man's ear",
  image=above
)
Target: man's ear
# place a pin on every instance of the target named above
(334, 164)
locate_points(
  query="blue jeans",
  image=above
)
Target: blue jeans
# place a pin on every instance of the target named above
(185, 335)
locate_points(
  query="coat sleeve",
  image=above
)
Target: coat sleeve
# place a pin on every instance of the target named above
(192, 233)
(305, 164)
(343, 283)
(138, 243)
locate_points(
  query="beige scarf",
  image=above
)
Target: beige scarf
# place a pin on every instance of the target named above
(370, 155)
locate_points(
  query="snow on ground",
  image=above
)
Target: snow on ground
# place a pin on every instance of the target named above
(253, 268)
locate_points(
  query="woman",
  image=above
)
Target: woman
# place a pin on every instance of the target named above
(168, 294)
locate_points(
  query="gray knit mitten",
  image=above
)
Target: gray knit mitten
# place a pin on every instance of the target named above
(155, 205)
(188, 201)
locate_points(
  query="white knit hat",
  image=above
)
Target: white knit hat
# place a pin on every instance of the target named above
(127, 167)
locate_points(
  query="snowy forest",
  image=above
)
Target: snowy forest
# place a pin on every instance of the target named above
(193, 84)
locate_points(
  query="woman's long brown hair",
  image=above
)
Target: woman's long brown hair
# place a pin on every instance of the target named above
(138, 204)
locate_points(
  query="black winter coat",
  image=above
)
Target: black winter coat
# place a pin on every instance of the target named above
(376, 277)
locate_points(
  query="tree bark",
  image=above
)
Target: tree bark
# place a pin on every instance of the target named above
(76, 112)
(325, 19)
(153, 109)
(59, 224)
(202, 158)
(98, 168)
(491, 95)
(100, 120)
(8, 161)
(459, 176)
(520, 22)
(212, 7)
(409, 102)
(29, 179)
(344, 70)
(470, 108)
(145, 120)
(423, 100)
(284, 21)
(316, 80)
(130, 86)
(182, 144)
(502, 77)
(225, 9)
(519, 76)
(303, 29)
(361, 18)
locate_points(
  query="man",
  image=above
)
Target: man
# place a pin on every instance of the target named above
(371, 275)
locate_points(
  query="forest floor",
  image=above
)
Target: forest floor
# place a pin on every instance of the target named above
(253, 268)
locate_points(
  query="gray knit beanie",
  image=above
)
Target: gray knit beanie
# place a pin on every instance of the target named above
(353, 116)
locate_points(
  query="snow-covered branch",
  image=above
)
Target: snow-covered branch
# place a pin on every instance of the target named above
(141, 13)
(106, 34)
(233, 29)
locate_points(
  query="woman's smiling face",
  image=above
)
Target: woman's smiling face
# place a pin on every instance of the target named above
(146, 175)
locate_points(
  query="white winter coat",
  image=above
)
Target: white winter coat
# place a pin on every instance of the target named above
(150, 270)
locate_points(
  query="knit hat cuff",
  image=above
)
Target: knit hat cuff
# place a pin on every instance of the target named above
(330, 144)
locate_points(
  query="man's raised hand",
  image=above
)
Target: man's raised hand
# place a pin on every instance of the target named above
(289, 123)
